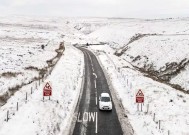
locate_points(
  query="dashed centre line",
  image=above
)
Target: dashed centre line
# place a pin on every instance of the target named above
(96, 131)
(96, 100)
(95, 83)
(95, 75)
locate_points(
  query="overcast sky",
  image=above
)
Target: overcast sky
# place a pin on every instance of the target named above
(97, 8)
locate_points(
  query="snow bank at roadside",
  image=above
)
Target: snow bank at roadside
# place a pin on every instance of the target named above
(169, 105)
(51, 116)
(170, 48)
(164, 54)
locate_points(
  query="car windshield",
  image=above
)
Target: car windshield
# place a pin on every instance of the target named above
(105, 99)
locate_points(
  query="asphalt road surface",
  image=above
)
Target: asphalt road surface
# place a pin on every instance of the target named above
(90, 120)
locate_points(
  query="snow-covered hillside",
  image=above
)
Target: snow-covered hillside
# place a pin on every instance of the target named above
(164, 108)
(158, 47)
(166, 57)
(54, 116)
(151, 55)
(28, 48)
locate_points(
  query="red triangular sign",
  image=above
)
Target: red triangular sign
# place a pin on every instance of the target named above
(140, 93)
(47, 86)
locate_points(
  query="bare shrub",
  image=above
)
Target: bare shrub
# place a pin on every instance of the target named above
(10, 74)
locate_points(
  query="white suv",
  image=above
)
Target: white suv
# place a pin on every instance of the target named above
(105, 102)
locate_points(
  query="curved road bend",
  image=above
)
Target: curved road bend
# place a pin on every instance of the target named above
(90, 120)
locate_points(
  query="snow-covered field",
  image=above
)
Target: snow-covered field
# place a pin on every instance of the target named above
(26, 46)
(169, 106)
(159, 47)
(52, 116)
(164, 54)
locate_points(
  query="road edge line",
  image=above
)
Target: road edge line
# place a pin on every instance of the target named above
(96, 131)
(73, 121)
(122, 117)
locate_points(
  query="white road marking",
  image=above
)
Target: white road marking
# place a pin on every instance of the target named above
(95, 91)
(95, 75)
(87, 117)
(96, 100)
(95, 83)
(96, 131)
(92, 68)
(91, 116)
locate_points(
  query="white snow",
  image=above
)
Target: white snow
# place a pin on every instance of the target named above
(170, 48)
(51, 116)
(169, 45)
(169, 105)
(21, 39)
(21, 48)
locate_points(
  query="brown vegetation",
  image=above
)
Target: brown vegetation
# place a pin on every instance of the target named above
(9, 74)
(51, 63)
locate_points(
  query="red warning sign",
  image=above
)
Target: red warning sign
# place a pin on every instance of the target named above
(140, 97)
(47, 90)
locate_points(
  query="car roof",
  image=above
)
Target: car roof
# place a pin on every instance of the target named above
(105, 95)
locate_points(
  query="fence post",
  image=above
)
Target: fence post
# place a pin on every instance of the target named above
(141, 106)
(31, 90)
(168, 132)
(137, 106)
(17, 106)
(26, 96)
(159, 124)
(50, 72)
(7, 116)
(154, 117)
